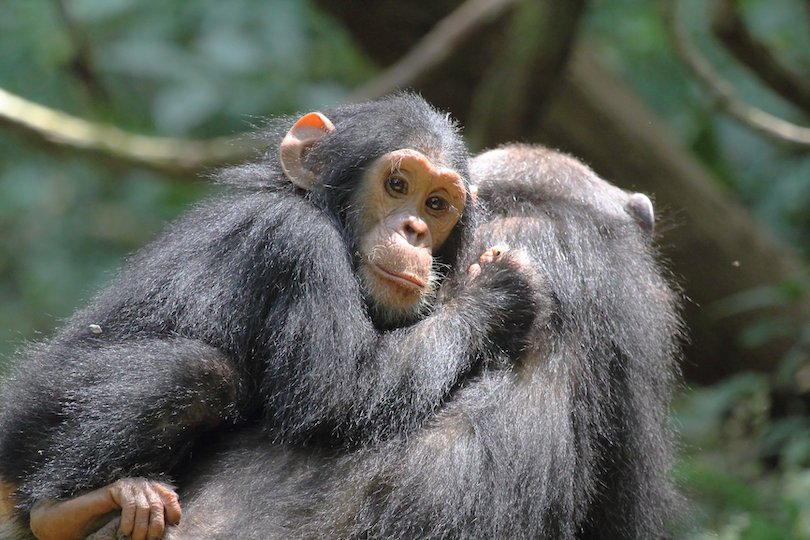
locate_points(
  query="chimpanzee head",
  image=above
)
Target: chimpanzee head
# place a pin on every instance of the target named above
(394, 174)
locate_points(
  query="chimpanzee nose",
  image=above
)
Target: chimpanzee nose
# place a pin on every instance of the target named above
(415, 230)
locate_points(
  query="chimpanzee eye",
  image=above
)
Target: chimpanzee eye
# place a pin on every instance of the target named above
(395, 184)
(437, 204)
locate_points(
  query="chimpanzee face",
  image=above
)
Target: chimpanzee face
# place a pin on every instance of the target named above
(410, 205)
(406, 206)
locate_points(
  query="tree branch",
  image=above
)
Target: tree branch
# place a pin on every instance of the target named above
(173, 156)
(729, 27)
(434, 48)
(723, 93)
(185, 158)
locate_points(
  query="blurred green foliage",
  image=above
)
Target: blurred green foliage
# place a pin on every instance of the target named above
(205, 68)
(746, 474)
(772, 179)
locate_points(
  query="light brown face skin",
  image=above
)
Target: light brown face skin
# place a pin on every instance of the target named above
(410, 207)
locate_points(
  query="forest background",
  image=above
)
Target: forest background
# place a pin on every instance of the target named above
(113, 111)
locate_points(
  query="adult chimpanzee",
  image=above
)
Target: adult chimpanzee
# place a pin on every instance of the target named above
(302, 301)
(566, 439)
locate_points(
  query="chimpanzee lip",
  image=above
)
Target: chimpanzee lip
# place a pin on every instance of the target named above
(400, 278)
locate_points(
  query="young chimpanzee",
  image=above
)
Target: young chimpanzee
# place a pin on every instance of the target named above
(565, 439)
(302, 301)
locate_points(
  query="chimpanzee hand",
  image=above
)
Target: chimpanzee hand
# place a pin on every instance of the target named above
(495, 253)
(147, 508)
(512, 291)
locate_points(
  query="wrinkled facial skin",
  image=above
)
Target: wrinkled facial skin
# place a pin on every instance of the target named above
(409, 208)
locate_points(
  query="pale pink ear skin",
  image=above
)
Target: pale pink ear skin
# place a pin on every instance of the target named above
(640, 207)
(306, 131)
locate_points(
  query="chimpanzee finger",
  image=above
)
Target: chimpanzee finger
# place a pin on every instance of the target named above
(171, 503)
(124, 495)
(157, 522)
(141, 523)
(493, 254)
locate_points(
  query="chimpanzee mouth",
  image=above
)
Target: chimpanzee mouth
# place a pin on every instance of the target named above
(400, 278)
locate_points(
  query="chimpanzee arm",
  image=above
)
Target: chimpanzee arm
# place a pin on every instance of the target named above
(97, 412)
(508, 441)
(335, 375)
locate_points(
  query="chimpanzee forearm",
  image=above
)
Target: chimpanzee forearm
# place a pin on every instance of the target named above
(134, 413)
(357, 384)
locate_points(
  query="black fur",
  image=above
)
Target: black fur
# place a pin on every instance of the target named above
(247, 311)
(568, 439)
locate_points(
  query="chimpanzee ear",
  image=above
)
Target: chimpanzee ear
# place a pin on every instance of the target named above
(308, 130)
(640, 207)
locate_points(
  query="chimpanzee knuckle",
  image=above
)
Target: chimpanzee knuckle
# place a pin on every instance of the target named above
(156, 506)
(494, 253)
(515, 258)
(499, 250)
(130, 485)
(121, 485)
(170, 497)
(125, 498)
